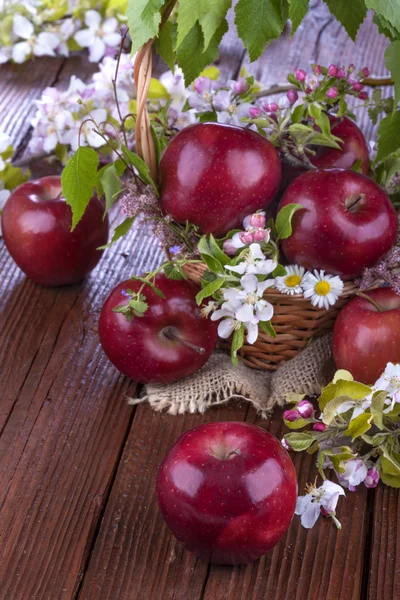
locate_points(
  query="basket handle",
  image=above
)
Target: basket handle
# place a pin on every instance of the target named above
(145, 146)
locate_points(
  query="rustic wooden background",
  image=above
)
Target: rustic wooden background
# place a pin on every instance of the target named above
(78, 513)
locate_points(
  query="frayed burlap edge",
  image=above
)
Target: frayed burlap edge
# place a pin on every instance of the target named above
(219, 381)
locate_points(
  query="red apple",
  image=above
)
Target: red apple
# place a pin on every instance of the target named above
(227, 491)
(36, 224)
(353, 148)
(346, 224)
(215, 175)
(170, 341)
(366, 335)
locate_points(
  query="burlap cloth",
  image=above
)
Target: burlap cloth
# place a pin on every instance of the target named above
(219, 381)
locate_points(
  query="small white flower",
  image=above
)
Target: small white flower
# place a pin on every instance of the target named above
(42, 45)
(248, 300)
(88, 131)
(355, 472)
(325, 497)
(254, 262)
(98, 35)
(291, 283)
(323, 290)
(389, 382)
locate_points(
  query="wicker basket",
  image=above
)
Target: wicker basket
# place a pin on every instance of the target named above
(295, 320)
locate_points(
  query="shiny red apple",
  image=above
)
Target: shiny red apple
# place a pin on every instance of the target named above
(36, 224)
(366, 335)
(353, 148)
(227, 491)
(346, 224)
(170, 341)
(215, 175)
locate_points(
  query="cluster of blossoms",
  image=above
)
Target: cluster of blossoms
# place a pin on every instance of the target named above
(42, 28)
(322, 289)
(331, 82)
(355, 435)
(62, 114)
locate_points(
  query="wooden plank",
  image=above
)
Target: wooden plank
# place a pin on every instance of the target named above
(64, 423)
(134, 555)
(20, 85)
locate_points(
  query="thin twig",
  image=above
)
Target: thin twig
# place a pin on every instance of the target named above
(278, 89)
(114, 84)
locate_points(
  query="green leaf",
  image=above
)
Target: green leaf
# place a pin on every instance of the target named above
(392, 61)
(388, 9)
(110, 182)
(388, 135)
(78, 181)
(352, 389)
(338, 459)
(259, 22)
(314, 110)
(377, 406)
(217, 252)
(390, 480)
(386, 28)
(299, 441)
(157, 91)
(332, 407)
(297, 11)
(191, 55)
(298, 113)
(349, 14)
(209, 289)
(119, 232)
(267, 327)
(211, 72)
(283, 221)
(237, 343)
(214, 14)
(208, 256)
(299, 424)
(280, 271)
(173, 270)
(390, 462)
(144, 19)
(342, 375)
(165, 44)
(139, 165)
(359, 425)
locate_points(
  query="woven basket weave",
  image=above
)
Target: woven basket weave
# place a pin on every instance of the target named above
(295, 320)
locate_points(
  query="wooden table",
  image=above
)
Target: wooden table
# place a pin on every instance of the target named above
(78, 512)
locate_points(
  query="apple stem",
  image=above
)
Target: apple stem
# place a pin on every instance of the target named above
(171, 335)
(366, 297)
(353, 203)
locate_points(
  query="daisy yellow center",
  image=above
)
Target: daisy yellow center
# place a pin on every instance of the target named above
(322, 288)
(292, 280)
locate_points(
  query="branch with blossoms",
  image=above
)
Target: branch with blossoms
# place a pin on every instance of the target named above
(41, 28)
(354, 431)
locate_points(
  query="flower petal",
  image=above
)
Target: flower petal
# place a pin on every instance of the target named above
(245, 313)
(93, 19)
(252, 332)
(97, 50)
(249, 283)
(22, 27)
(225, 328)
(240, 268)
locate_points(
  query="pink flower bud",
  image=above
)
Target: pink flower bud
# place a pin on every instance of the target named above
(240, 86)
(292, 96)
(324, 512)
(291, 415)
(332, 70)
(351, 68)
(305, 408)
(363, 95)
(358, 87)
(257, 220)
(285, 444)
(351, 80)
(308, 90)
(332, 92)
(202, 85)
(270, 107)
(254, 112)
(260, 235)
(365, 72)
(372, 478)
(300, 74)
(317, 70)
(319, 427)
(341, 73)
(229, 248)
(246, 237)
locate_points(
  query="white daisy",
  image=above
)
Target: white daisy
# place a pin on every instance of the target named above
(291, 283)
(322, 290)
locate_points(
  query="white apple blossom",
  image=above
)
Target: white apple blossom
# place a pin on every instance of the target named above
(88, 134)
(254, 262)
(228, 110)
(43, 44)
(65, 32)
(249, 299)
(230, 323)
(324, 498)
(354, 474)
(98, 35)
